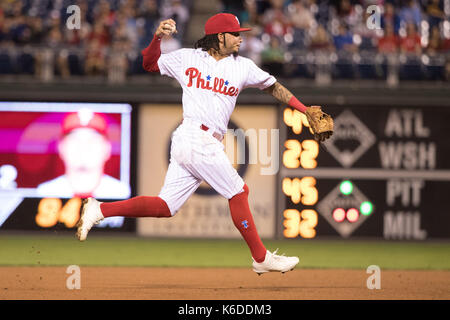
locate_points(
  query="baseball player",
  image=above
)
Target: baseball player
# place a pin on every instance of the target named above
(212, 75)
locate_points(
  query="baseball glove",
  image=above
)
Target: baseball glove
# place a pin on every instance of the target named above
(320, 122)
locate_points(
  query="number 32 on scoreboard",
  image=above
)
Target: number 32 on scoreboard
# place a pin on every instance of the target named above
(300, 223)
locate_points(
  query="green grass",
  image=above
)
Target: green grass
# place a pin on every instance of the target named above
(57, 250)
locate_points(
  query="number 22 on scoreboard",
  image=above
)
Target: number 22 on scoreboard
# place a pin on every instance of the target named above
(300, 154)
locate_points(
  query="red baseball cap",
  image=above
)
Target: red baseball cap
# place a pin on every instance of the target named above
(84, 118)
(223, 22)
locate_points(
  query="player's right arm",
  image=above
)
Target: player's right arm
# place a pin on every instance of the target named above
(152, 53)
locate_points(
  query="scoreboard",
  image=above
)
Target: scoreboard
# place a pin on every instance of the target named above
(385, 173)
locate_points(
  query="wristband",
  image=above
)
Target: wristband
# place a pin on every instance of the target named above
(293, 102)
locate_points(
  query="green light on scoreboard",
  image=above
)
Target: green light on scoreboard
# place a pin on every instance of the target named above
(346, 187)
(366, 208)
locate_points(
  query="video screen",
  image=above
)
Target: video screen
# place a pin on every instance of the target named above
(63, 152)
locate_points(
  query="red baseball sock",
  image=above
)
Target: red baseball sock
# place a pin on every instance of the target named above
(243, 220)
(136, 207)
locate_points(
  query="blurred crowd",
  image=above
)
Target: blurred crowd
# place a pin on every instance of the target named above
(417, 30)
(112, 33)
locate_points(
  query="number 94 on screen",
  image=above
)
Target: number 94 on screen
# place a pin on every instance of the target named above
(51, 211)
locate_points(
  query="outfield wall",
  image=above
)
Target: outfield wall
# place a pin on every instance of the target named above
(392, 157)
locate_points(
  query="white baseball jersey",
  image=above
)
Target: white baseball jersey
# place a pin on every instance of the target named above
(210, 90)
(211, 87)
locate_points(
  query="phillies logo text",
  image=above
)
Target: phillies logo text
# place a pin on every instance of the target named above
(219, 85)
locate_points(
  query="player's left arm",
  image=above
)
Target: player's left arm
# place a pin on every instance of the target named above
(279, 92)
(320, 122)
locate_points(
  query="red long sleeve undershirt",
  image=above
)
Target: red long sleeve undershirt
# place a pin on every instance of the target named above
(151, 55)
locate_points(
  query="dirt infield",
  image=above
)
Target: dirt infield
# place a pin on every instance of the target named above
(29, 283)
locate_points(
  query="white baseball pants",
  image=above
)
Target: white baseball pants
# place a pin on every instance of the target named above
(197, 156)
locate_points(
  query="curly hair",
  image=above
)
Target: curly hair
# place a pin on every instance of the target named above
(210, 41)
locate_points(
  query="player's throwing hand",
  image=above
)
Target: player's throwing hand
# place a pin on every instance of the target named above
(166, 28)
